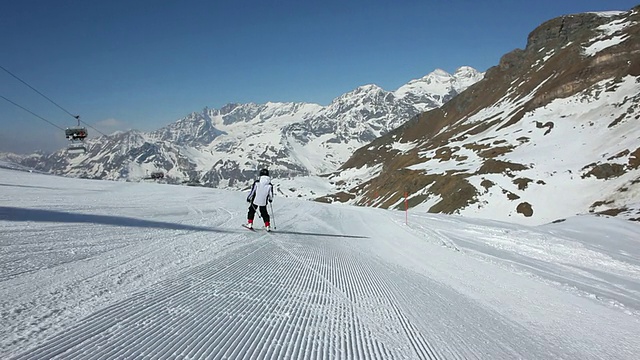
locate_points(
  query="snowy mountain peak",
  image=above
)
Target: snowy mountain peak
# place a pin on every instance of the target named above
(440, 78)
(466, 76)
(196, 129)
(438, 73)
(227, 108)
(437, 87)
(361, 91)
(465, 71)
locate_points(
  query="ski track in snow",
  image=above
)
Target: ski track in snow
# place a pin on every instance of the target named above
(189, 283)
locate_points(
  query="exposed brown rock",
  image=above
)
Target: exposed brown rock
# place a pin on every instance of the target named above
(476, 147)
(525, 209)
(495, 152)
(483, 126)
(613, 212)
(548, 125)
(617, 120)
(487, 184)
(606, 171)
(511, 196)
(338, 197)
(522, 183)
(445, 153)
(619, 155)
(492, 166)
(456, 191)
(634, 159)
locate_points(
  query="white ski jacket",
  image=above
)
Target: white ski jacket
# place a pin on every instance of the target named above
(261, 191)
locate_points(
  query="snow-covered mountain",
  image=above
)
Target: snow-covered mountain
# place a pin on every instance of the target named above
(223, 147)
(552, 131)
(438, 87)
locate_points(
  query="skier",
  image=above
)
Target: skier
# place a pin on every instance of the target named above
(261, 192)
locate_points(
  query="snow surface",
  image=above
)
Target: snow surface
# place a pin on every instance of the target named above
(605, 39)
(600, 45)
(97, 269)
(608, 13)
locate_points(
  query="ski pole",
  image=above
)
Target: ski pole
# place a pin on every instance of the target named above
(273, 216)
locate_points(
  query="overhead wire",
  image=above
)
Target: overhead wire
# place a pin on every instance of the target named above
(76, 117)
(31, 112)
(34, 89)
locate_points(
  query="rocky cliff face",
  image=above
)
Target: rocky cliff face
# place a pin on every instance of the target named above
(549, 132)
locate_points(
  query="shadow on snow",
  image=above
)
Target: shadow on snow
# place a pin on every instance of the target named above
(30, 186)
(318, 234)
(39, 215)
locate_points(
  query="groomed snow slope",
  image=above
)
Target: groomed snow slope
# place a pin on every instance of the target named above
(95, 269)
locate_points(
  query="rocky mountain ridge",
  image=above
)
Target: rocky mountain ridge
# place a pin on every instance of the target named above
(551, 131)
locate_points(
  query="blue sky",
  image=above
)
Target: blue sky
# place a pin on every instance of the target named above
(143, 64)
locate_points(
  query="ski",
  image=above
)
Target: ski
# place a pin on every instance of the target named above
(248, 228)
(254, 229)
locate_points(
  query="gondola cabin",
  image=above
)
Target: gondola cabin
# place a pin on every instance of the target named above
(76, 133)
(156, 175)
(76, 136)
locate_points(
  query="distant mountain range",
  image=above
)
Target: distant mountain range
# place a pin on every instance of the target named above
(224, 147)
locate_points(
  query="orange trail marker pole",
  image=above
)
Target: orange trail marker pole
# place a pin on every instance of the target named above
(406, 209)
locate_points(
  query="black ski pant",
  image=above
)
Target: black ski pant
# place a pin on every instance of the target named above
(263, 212)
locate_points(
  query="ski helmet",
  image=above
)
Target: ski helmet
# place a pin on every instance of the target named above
(264, 172)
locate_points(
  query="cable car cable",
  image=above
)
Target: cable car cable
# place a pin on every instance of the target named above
(91, 127)
(34, 89)
(31, 112)
(44, 96)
